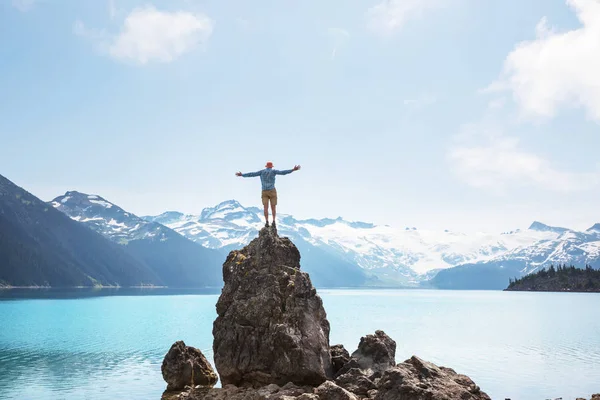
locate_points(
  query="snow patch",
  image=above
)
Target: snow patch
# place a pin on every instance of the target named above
(102, 203)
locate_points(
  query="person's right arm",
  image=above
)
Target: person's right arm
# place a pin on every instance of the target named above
(249, 174)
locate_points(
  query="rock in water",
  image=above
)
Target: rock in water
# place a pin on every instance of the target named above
(271, 326)
(184, 365)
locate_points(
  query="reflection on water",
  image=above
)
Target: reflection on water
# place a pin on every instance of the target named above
(108, 344)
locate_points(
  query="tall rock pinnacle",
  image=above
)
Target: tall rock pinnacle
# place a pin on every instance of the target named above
(271, 325)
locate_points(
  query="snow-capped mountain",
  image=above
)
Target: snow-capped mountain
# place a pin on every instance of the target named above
(177, 260)
(406, 256)
(108, 219)
(337, 252)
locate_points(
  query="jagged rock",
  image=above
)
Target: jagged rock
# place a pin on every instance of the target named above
(376, 353)
(184, 365)
(271, 325)
(356, 382)
(339, 357)
(231, 392)
(415, 379)
(331, 391)
(308, 396)
(596, 396)
(351, 364)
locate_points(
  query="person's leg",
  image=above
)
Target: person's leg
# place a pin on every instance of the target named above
(265, 201)
(274, 204)
(267, 213)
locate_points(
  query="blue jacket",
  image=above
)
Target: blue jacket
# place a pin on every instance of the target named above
(267, 176)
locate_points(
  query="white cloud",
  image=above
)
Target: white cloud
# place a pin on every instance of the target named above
(390, 16)
(557, 68)
(490, 160)
(23, 5)
(151, 35)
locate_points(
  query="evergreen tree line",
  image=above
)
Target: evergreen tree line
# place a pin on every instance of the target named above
(560, 277)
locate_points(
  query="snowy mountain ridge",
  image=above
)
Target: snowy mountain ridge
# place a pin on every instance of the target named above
(383, 250)
(107, 218)
(386, 255)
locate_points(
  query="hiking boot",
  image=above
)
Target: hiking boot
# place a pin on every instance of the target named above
(267, 224)
(274, 226)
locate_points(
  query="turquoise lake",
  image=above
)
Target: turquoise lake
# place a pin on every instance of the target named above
(83, 344)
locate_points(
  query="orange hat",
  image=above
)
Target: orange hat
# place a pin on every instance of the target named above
(269, 164)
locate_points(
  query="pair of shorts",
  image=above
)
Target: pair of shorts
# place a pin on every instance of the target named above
(269, 195)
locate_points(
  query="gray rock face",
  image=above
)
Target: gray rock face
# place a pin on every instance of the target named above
(231, 392)
(339, 357)
(331, 391)
(271, 325)
(356, 381)
(415, 379)
(184, 365)
(375, 353)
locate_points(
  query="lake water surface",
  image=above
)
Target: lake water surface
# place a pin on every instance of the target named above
(82, 344)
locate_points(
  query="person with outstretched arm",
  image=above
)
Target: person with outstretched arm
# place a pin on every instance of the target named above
(269, 193)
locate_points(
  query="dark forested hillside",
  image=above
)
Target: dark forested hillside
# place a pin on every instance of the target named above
(177, 261)
(559, 279)
(40, 246)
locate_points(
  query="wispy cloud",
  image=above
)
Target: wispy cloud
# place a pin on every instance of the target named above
(557, 68)
(23, 5)
(389, 16)
(486, 158)
(150, 35)
(338, 38)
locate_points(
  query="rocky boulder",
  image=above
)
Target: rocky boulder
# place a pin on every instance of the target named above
(376, 353)
(415, 379)
(331, 391)
(356, 382)
(339, 357)
(184, 365)
(271, 326)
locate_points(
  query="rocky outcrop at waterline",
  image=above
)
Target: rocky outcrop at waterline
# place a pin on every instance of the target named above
(184, 365)
(271, 342)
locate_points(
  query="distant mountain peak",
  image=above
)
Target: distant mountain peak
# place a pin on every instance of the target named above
(229, 203)
(74, 197)
(224, 209)
(541, 227)
(595, 228)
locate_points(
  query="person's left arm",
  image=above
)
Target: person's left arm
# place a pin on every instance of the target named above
(286, 171)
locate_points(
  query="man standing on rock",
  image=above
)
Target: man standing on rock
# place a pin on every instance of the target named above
(269, 193)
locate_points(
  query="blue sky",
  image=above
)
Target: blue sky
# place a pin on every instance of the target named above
(440, 114)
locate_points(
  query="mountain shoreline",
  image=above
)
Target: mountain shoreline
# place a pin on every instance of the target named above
(84, 240)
